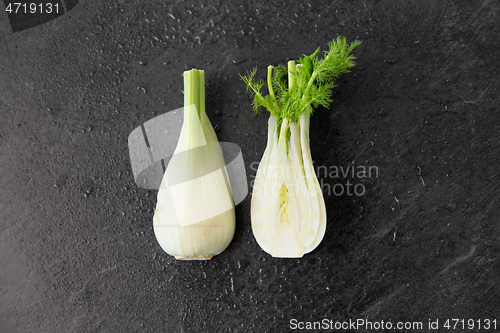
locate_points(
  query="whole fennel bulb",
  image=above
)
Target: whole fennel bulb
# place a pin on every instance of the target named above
(194, 217)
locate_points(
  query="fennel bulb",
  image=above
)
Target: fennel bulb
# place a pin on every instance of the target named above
(288, 209)
(194, 217)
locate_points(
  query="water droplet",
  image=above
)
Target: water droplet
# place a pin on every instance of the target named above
(216, 128)
(218, 112)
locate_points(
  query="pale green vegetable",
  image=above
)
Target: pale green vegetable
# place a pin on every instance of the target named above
(287, 208)
(194, 216)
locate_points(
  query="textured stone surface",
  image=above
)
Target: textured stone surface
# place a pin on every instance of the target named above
(77, 249)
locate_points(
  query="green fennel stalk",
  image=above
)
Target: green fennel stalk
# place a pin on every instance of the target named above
(294, 88)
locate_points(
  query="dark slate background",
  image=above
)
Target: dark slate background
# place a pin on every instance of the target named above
(78, 252)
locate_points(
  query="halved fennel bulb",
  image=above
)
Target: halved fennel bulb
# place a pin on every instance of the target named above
(287, 208)
(194, 217)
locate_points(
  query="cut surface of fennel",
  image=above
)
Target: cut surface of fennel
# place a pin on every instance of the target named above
(287, 209)
(194, 217)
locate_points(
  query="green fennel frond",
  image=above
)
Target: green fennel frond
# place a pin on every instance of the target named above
(254, 88)
(312, 80)
(279, 81)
